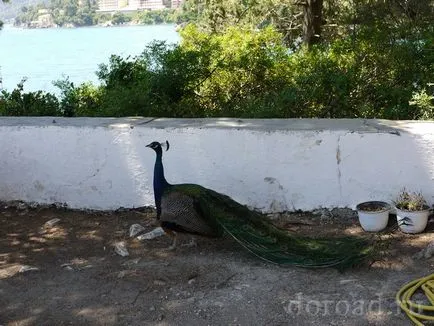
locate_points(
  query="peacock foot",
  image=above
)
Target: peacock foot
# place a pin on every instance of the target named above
(173, 246)
(190, 244)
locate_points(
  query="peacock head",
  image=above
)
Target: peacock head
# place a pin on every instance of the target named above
(156, 146)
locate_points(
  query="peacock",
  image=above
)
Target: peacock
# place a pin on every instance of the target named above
(191, 208)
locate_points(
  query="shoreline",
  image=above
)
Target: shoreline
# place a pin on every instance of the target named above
(10, 26)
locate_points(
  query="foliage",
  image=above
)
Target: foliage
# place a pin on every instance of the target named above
(157, 83)
(163, 16)
(245, 59)
(241, 66)
(246, 73)
(1, 23)
(119, 18)
(61, 12)
(19, 103)
(83, 13)
(340, 17)
(371, 75)
(411, 201)
(84, 100)
(425, 104)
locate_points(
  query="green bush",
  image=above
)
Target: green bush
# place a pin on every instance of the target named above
(157, 83)
(120, 18)
(424, 103)
(84, 100)
(166, 16)
(241, 67)
(20, 103)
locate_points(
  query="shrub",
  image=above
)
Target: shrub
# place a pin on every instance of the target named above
(84, 100)
(251, 74)
(20, 103)
(424, 103)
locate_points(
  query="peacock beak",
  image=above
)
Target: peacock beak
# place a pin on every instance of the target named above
(149, 145)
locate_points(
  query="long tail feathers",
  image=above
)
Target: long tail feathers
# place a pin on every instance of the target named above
(284, 248)
(263, 239)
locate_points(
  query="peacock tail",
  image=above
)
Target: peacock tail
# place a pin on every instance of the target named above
(195, 209)
(255, 233)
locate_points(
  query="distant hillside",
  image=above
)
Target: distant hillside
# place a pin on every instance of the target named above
(13, 8)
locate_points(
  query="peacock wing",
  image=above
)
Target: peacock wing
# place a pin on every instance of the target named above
(181, 212)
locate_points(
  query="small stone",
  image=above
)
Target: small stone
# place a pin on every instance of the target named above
(27, 268)
(136, 229)
(131, 262)
(157, 232)
(159, 282)
(191, 281)
(21, 206)
(33, 205)
(152, 308)
(52, 222)
(426, 253)
(121, 249)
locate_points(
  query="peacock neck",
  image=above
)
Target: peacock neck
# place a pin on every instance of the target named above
(160, 182)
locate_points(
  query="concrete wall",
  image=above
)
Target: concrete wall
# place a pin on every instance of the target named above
(272, 165)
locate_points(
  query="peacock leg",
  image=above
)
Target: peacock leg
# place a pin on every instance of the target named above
(172, 235)
(191, 243)
(174, 242)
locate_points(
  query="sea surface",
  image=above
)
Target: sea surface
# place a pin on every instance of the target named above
(46, 55)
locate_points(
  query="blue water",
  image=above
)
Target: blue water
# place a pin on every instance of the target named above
(46, 55)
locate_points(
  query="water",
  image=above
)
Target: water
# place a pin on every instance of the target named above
(46, 55)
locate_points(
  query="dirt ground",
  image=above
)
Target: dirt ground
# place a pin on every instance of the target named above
(80, 280)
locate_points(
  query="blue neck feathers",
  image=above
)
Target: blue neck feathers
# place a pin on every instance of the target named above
(160, 182)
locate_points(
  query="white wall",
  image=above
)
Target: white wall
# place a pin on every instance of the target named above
(273, 165)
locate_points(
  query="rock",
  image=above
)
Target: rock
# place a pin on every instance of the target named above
(131, 262)
(426, 253)
(155, 233)
(21, 206)
(191, 281)
(159, 282)
(27, 268)
(121, 249)
(135, 229)
(67, 266)
(52, 222)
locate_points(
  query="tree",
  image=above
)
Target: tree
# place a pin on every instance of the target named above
(303, 18)
(312, 21)
(1, 23)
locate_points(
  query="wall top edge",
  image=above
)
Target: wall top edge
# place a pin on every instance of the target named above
(266, 125)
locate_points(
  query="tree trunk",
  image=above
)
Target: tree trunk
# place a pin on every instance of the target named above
(312, 21)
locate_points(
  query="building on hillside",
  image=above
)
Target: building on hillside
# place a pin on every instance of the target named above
(130, 5)
(176, 4)
(149, 4)
(108, 5)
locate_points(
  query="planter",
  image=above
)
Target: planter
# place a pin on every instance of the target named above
(373, 215)
(412, 221)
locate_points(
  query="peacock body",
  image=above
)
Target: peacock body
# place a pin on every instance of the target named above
(194, 209)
